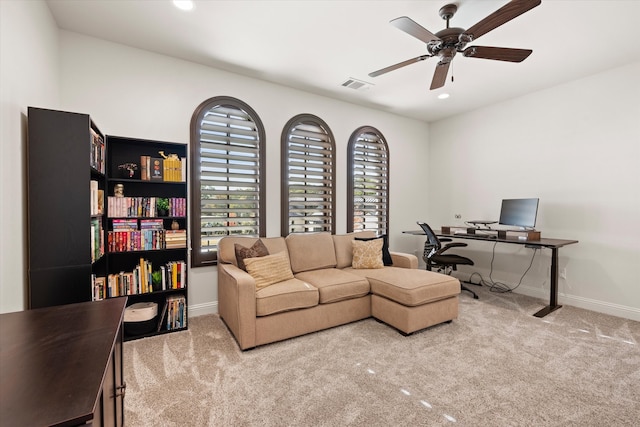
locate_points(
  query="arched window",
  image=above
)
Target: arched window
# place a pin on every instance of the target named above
(227, 175)
(308, 176)
(368, 185)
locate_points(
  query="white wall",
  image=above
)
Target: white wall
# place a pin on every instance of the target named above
(577, 147)
(28, 77)
(136, 93)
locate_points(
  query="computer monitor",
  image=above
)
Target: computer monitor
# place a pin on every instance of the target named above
(519, 212)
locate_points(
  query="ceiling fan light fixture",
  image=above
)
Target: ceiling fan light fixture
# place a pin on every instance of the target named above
(443, 95)
(183, 4)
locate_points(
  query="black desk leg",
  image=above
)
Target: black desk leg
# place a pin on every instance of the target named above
(553, 297)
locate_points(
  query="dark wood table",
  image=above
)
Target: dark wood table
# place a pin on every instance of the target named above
(491, 236)
(62, 365)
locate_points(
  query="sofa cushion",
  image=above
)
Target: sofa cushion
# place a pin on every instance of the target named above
(310, 251)
(258, 249)
(367, 254)
(269, 269)
(410, 287)
(386, 255)
(288, 295)
(334, 284)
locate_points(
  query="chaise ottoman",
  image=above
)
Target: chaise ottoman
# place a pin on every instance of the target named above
(410, 299)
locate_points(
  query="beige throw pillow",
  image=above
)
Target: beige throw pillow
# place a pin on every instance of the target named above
(367, 254)
(269, 269)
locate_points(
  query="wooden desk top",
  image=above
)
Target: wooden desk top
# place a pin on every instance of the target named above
(53, 360)
(544, 242)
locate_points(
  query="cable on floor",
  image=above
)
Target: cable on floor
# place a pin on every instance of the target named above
(499, 287)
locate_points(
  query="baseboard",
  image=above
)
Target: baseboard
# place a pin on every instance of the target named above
(202, 309)
(617, 310)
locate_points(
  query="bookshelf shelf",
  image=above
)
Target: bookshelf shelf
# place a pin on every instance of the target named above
(67, 267)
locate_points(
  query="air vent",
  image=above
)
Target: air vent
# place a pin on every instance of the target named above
(356, 84)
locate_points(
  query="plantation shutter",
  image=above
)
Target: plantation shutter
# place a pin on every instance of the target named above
(370, 172)
(230, 175)
(310, 177)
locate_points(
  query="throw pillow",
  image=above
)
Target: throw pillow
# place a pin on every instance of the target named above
(258, 249)
(269, 269)
(366, 254)
(386, 255)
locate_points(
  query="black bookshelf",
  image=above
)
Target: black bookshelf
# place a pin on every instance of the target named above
(72, 172)
(139, 188)
(60, 168)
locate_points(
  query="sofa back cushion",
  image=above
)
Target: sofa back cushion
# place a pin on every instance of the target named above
(310, 251)
(344, 246)
(227, 252)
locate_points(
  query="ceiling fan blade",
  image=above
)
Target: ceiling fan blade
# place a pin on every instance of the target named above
(414, 29)
(440, 75)
(497, 53)
(398, 65)
(505, 14)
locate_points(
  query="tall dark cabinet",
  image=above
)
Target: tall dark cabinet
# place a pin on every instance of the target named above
(96, 230)
(60, 156)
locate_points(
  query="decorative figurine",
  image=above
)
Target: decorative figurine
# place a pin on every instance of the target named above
(118, 190)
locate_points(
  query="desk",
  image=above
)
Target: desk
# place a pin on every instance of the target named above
(553, 244)
(62, 365)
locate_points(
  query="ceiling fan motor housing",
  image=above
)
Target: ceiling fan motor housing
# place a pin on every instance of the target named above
(448, 44)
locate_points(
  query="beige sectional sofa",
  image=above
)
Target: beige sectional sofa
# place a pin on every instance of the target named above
(320, 288)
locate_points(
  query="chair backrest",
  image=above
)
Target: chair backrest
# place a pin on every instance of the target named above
(432, 245)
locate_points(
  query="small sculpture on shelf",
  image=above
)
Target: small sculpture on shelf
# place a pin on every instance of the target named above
(118, 190)
(175, 225)
(127, 170)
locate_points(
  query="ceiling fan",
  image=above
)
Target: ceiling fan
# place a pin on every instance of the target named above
(446, 43)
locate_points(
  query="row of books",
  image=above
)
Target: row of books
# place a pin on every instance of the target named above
(126, 224)
(97, 158)
(97, 239)
(141, 280)
(176, 308)
(96, 197)
(174, 239)
(124, 207)
(169, 169)
(145, 240)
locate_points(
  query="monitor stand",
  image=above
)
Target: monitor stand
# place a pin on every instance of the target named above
(478, 222)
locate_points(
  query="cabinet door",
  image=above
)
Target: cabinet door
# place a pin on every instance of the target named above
(59, 193)
(113, 390)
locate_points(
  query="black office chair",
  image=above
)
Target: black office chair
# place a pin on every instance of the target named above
(435, 258)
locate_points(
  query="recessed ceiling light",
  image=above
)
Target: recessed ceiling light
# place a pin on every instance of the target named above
(183, 4)
(443, 96)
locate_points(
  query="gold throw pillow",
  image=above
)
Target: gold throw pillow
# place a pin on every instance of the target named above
(367, 254)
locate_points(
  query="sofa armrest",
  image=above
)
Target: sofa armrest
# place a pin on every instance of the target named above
(404, 260)
(237, 303)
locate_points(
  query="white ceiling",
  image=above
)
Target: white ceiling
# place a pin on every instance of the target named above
(317, 45)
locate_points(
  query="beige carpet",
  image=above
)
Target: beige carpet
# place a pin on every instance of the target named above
(496, 365)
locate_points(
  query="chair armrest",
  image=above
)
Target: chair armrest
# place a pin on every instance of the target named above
(451, 245)
(237, 303)
(404, 260)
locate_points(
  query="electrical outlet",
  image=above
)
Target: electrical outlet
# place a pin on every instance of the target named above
(563, 273)
(457, 216)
